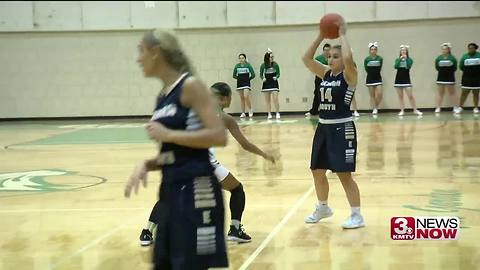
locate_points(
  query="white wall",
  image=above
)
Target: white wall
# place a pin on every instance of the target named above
(114, 15)
(93, 73)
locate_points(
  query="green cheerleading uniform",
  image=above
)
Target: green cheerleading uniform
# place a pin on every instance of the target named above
(446, 67)
(268, 73)
(243, 73)
(470, 65)
(402, 79)
(373, 66)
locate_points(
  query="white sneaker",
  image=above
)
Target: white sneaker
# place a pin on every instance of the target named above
(401, 113)
(375, 111)
(269, 116)
(250, 114)
(437, 110)
(277, 116)
(457, 110)
(417, 112)
(353, 222)
(475, 110)
(320, 212)
(242, 115)
(356, 114)
(307, 114)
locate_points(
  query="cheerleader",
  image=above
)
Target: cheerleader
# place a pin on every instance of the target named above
(446, 65)
(243, 72)
(403, 64)
(470, 65)
(270, 72)
(373, 66)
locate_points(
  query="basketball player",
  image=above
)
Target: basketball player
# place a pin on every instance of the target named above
(270, 72)
(228, 182)
(335, 142)
(190, 232)
(243, 72)
(470, 65)
(373, 66)
(322, 58)
(403, 64)
(446, 65)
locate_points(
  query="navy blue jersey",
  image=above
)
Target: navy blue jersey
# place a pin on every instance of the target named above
(180, 162)
(335, 97)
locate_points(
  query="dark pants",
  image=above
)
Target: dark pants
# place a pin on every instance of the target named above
(316, 97)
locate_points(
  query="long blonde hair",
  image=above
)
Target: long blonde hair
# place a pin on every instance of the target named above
(171, 48)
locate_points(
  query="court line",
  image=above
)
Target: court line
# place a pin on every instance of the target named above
(277, 229)
(70, 210)
(94, 242)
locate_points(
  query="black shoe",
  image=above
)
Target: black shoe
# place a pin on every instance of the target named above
(146, 238)
(238, 235)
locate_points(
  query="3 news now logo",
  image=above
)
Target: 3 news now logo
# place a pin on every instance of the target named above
(424, 228)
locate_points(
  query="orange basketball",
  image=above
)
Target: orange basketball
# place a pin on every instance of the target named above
(329, 25)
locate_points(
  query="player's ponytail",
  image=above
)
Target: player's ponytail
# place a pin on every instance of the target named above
(171, 48)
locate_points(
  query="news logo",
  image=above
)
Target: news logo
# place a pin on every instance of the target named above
(424, 228)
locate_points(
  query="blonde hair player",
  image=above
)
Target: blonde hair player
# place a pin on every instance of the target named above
(190, 234)
(335, 142)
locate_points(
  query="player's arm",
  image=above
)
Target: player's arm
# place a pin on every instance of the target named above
(196, 96)
(252, 72)
(351, 74)
(314, 66)
(232, 126)
(235, 71)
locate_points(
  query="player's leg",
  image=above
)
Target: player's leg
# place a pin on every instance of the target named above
(353, 195)
(439, 99)
(268, 101)
(248, 103)
(400, 100)
(464, 96)
(237, 206)
(453, 97)
(146, 237)
(276, 103)
(373, 102)
(475, 93)
(242, 102)
(413, 103)
(378, 95)
(318, 167)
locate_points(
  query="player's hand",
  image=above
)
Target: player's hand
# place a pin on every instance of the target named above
(139, 174)
(270, 158)
(274, 78)
(264, 79)
(158, 132)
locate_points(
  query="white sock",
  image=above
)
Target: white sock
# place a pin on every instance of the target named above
(322, 204)
(236, 223)
(150, 226)
(356, 211)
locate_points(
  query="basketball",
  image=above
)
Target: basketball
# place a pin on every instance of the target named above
(329, 25)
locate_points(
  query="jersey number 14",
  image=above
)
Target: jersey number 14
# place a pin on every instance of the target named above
(326, 94)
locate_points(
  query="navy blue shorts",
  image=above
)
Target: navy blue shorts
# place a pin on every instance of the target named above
(334, 147)
(190, 233)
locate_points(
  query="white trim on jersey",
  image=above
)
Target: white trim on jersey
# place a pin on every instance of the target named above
(373, 84)
(440, 82)
(335, 121)
(471, 87)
